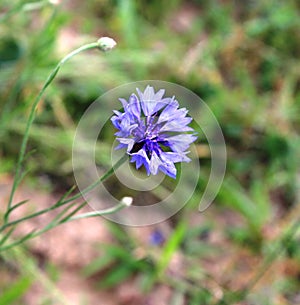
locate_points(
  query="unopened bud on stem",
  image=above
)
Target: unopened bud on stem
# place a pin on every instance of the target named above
(127, 201)
(106, 43)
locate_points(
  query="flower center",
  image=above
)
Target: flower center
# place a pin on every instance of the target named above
(147, 137)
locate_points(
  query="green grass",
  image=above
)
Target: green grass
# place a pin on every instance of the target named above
(241, 59)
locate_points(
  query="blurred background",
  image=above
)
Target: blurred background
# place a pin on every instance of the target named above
(242, 59)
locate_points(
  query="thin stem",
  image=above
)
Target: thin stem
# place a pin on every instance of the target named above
(76, 196)
(112, 210)
(101, 179)
(31, 118)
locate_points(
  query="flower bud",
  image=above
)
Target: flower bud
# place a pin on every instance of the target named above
(127, 201)
(106, 43)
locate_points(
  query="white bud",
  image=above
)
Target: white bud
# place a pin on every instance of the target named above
(106, 43)
(127, 201)
(54, 2)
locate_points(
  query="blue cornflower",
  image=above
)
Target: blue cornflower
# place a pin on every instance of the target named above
(156, 238)
(153, 131)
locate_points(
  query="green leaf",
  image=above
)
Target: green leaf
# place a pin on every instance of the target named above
(117, 276)
(98, 265)
(234, 196)
(171, 247)
(15, 291)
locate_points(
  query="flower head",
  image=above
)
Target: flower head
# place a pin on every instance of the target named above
(157, 238)
(154, 131)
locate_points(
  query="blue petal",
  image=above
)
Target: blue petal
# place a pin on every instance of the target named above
(174, 157)
(167, 166)
(157, 238)
(169, 111)
(169, 169)
(177, 125)
(162, 103)
(155, 162)
(158, 164)
(134, 106)
(141, 158)
(118, 113)
(149, 99)
(127, 142)
(181, 142)
(124, 102)
(116, 121)
(121, 146)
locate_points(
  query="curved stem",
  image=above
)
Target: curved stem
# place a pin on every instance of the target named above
(107, 211)
(121, 205)
(74, 197)
(17, 178)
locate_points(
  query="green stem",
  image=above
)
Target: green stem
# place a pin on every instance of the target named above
(101, 179)
(50, 78)
(74, 197)
(112, 210)
(107, 211)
